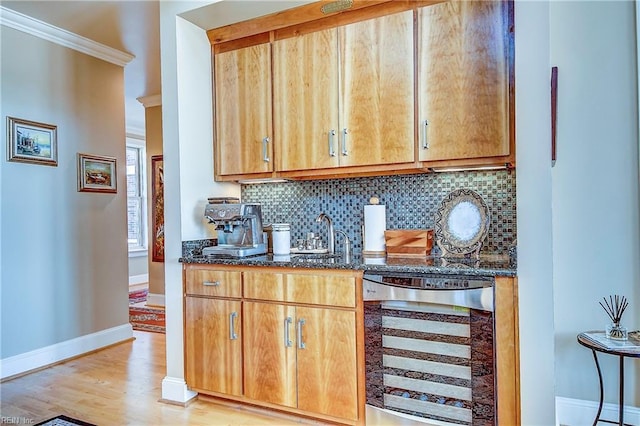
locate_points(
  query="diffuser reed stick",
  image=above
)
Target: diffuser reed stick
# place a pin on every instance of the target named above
(615, 307)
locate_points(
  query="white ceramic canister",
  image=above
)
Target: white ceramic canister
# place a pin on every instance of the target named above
(281, 234)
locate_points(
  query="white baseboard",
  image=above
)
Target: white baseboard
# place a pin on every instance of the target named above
(175, 390)
(576, 412)
(154, 299)
(48, 355)
(138, 279)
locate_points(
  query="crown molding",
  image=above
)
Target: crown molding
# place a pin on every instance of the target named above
(40, 29)
(150, 101)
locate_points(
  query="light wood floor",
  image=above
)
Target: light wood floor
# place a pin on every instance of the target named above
(120, 385)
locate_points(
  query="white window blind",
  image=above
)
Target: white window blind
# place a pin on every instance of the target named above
(136, 199)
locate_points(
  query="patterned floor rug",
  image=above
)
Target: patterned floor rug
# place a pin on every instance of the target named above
(145, 318)
(64, 421)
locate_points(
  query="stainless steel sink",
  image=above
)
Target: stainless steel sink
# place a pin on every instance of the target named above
(317, 257)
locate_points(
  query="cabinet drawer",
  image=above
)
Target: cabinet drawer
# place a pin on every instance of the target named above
(207, 282)
(264, 286)
(321, 290)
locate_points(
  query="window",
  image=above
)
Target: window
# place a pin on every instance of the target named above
(136, 198)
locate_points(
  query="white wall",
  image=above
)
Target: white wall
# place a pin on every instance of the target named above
(596, 235)
(180, 98)
(196, 133)
(533, 194)
(64, 253)
(153, 130)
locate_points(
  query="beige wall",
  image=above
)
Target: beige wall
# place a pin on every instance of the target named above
(64, 259)
(153, 125)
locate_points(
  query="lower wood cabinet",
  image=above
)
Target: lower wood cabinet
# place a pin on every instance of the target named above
(301, 357)
(213, 344)
(276, 338)
(270, 364)
(326, 362)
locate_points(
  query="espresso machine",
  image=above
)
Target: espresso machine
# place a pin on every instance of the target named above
(239, 227)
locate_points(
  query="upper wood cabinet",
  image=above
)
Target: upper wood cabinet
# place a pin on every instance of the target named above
(463, 80)
(344, 97)
(388, 87)
(377, 90)
(243, 111)
(306, 108)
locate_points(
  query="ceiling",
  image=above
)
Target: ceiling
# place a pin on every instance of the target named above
(133, 26)
(128, 26)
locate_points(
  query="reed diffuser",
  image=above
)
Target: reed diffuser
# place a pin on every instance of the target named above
(614, 307)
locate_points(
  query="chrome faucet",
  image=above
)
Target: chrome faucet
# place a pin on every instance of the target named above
(331, 238)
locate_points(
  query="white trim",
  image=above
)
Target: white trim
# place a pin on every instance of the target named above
(155, 299)
(572, 412)
(45, 31)
(138, 252)
(175, 389)
(150, 101)
(133, 133)
(49, 355)
(138, 279)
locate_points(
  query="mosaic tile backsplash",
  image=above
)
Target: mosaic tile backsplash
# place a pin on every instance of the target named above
(411, 200)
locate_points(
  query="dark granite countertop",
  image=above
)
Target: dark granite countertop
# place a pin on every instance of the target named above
(488, 265)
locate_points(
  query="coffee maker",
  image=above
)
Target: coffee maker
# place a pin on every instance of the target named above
(239, 227)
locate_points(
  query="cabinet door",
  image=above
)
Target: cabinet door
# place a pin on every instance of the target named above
(327, 370)
(270, 357)
(213, 345)
(305, 101)
(243, 110)
(378, 90)
(463, 91)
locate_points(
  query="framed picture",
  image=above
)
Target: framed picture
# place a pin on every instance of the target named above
(32, 142)
(157, 198)
(96, 173)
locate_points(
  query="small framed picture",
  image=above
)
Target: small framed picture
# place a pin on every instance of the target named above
(96, 173)
(32, 142)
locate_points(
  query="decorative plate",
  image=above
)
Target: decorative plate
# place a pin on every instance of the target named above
(462, 223)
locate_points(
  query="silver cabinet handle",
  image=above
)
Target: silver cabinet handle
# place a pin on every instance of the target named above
(301, 344)
(344, 142)
(265, 156)
(287, 342)
(211, 283)
(332, 134)
(232, 326)
(425, 141)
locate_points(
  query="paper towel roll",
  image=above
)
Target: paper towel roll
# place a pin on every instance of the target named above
(375, 223)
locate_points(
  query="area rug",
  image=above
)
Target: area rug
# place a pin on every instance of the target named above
(145, 318)
(137, 296)
(64, 421)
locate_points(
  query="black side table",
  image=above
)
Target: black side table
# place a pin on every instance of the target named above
(598, 347)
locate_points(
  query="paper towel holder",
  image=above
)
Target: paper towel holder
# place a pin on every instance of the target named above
(373, 201)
